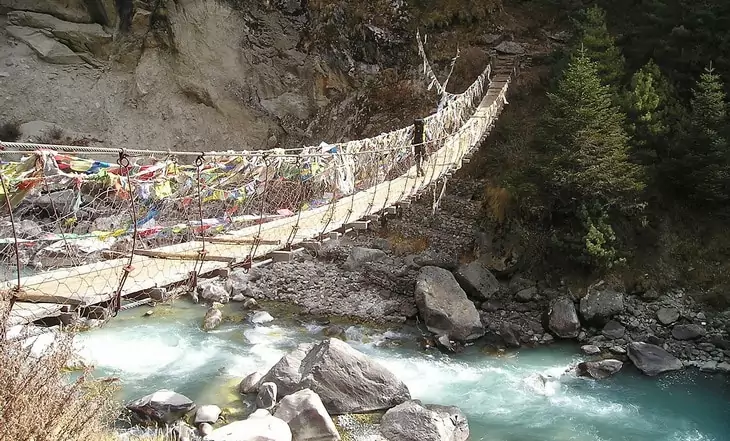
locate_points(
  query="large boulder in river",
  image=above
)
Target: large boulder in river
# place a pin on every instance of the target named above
(213, 317)
(444, 307)
(412, 421)
(259, 426)
(163, 406)
(346, 380)
(214, 291)
(599, 370)
(250, 384)
(307, 417)
(563, 319)
(477, 280)
(600, 304)
(651, 359)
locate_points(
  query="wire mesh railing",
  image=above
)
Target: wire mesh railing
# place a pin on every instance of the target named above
(84, 231)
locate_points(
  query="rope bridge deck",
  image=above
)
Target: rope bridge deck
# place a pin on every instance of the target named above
(381, 173)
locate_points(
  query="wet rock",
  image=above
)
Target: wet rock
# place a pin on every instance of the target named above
(563, 319)
(346, 380)
(360, 256)
(334, 331)
(250, 384)
(261, 317)
(250, 304)
(651, 359)
(723, 367)
(477, 281)
(599, 370)
(307, 417)
(259, 426)
(266, 398)
(600, 304)
(613, 330)
(590, 349)
(510, 335)
(667, 316)
(510, 48)
(46, 47)
(213, 317)
(207, 414)
(688, 332)
(709, 366)
(444, 306)
(445, 343)
(213, 291)
(411, 421)
(526, 295)
(163, 406)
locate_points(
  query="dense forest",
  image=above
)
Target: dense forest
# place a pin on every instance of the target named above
(620, 155)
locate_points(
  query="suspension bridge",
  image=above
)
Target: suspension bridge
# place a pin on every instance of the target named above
(96, 232)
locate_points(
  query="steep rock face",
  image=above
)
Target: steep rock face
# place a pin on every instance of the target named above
(79, 37)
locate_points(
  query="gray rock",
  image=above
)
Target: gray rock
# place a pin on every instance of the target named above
(709, 366)
(688, 332)
(266, 398)
(618, 350)
(259, 426)
(237, 283)
(47, 48)
(307, 417)
(563, 319)
(445, 343)
(79, 37)
(286, 373)
(650, 295)
(476, 280)
(213, 317)
(590, 349)
(261, 317)
(651, 359)
(599, 370)
(527, 294)
(207, 414)
(510, 48)
(360, 256)
(250, 304)
(412, 421)
(163, 406)
(250, 384)
(213, 291)
(613, 330)
(346, 380)
(70, 10)
(205, 429)
(723, 367)
(510, 335)
(180, 431)
(444, 307)
(667, 316)
(239, 298)
(599, 305)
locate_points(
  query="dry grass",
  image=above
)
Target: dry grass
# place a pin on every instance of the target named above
(402, 245)
(37, 400)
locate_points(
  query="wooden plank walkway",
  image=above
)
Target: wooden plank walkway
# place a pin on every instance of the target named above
(95, 283)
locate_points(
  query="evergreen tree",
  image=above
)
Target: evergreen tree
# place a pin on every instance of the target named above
(585, 132)
(601, 46)
(708, 159)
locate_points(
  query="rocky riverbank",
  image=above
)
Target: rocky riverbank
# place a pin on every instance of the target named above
(389, 276)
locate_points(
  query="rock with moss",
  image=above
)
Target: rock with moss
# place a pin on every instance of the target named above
(412, 421)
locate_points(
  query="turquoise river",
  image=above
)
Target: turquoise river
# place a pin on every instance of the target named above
(501, 395)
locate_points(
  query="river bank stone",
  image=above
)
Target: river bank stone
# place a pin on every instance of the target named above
(411, 421)
(307, 417)
(600, 305)
(163, 406)
(266, 398)
(651, 359)
(207, 414)
(599, 370)
(667, 316)
(476, 280)
(259, 426)
(345, 379)
(563, 319)
(688, 332)
(444, 306)
(213, 317)
(360, 256)
(250, 384)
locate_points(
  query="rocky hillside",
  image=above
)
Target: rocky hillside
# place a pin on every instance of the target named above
(228, 74)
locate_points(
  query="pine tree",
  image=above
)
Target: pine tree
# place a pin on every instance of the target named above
(585, 132)
(601, 47)
(707, 161)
